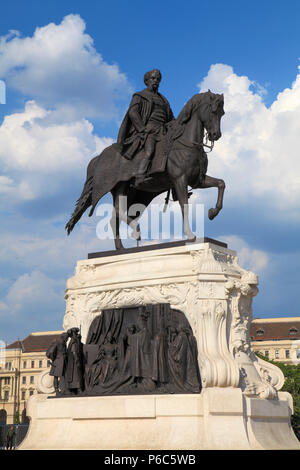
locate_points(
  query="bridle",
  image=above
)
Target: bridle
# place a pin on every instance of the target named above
(210, 147)
(200, 145)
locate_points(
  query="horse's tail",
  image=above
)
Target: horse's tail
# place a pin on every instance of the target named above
(85, 199)
(82, 204)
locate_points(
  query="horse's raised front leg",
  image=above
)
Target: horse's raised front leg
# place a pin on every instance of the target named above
(210, 182)
(181, 189)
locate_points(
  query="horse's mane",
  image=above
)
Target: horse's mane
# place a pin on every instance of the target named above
(176, 127)
(191, 106)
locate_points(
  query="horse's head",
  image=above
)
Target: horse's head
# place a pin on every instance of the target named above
(212, 113)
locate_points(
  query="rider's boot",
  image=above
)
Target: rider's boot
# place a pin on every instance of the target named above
(141, 172)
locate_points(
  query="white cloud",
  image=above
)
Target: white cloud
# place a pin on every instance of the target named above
(27, 144)
(46, 263)
(32, 291)
(64, 79)
(53, 252)
(59, 64)
(40, 157)
(6, 184)
(258, 153)
(249, 258)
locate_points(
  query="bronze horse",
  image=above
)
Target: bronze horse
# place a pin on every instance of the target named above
(186, 165)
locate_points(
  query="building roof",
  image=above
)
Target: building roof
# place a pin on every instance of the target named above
(35, 342)
(267, 329)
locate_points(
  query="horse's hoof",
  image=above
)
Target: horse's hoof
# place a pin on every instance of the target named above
(119, 246)
(212, 213)
(191, 238)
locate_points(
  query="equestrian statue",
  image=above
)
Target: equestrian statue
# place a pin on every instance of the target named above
(155, 153)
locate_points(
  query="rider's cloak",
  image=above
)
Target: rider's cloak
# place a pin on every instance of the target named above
(130, 138)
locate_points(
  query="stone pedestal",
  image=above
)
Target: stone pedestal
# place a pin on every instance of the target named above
(218, 418)
(240, 406)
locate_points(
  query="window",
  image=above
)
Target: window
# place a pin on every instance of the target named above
(31, 392)
(287, 353)
(260, 332)
(267, 354)
(8, 366)
(276, 354)
(293, 331)
(24, 364)
(40, 364)
(48, 363)
(32, 379)
(24, 379)
(6, 395)
(32, 364)
(23, 395)
(6, 380)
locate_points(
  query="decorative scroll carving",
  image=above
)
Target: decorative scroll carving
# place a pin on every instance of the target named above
(257, 377)
(218, 368)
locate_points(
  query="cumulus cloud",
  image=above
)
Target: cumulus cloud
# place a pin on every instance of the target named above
(6, 184)
(258, 154)
(53, 252)
(33, 152)
(60, 65)
(30, 292)
(66, 82)
(26, 144)
(38, 268)
(249, 258)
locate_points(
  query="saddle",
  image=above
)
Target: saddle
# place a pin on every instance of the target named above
(159, 160)
(163, 148)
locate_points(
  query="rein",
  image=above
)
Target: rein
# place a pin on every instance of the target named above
(196, 145)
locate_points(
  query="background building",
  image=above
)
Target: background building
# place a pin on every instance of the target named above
(277, 338)
(22, 362)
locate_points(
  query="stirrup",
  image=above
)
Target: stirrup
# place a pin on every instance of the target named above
(140, 180)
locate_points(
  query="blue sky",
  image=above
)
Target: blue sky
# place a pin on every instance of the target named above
(70, 68)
